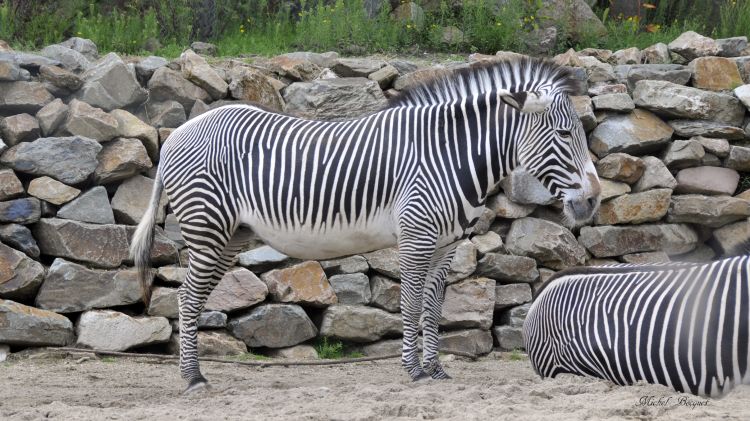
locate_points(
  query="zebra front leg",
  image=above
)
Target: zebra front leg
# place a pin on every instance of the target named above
(206, 268)
(415, 252)
(433, 296)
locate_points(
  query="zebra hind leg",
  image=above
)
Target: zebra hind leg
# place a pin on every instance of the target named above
(434, 294)
(206, 268)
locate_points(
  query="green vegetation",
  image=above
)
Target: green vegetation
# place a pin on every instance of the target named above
(517, 355)
(333, 350)
(248, 356)
(267, 27)
(108, 359)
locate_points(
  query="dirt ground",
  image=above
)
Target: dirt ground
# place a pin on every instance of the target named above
(492, 388)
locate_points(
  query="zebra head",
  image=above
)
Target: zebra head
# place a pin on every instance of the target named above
(553, 148)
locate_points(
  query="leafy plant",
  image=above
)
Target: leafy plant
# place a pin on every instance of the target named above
(333, 350)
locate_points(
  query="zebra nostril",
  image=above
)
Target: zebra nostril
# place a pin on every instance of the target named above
(592, 202)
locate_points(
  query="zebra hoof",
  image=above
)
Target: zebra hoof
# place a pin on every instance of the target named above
(199, 385)
(420, 376)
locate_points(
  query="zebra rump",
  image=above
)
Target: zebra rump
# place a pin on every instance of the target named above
(682, 325)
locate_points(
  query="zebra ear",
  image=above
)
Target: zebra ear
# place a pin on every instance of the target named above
(526, 101)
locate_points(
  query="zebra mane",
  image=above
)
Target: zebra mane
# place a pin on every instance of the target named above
(521, 74)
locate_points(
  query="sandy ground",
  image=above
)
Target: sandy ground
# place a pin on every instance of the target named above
(493, 388)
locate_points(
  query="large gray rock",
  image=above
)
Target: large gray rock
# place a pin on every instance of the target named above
(469, 303)
(211, 344)
(715, 146)
(489, 242)
(238, 289)
(676, 101)
(101, 245)
(70, 59)
(690, 128)
(606, 241)
(86, 47)
(19, 237)
(23, 97)
(20, 211)
(612, 189)
(261, 258)
(707, 180)
(656, 54)
(68, 159)
(145, 68)
(508, 338)
(711, 211)
(585, 110)
(739, 158)
(12, 72)
(674, 73)
(174, 275)
(683, 154)
(212, 320)
(635, 208)
(732, 47)
(472, 342)
(28, 326)
(51, 116)
(333, 99)
(617, 102)
(511, 295)
(353, 288)
(169, 85)
(120, 159)
(69, 287)
(507, 268)
(20, 276)
(345, 265)
(359, 323)
(167, 113)
(111, 84)
(384, 261)
(464, 261)
(131, 200)
(30, 62)
(164, 302)
(273, 326)
(634, 133)
(19, 128)
(656, 175)
(131, 126)
(196, 69)
(86, 121)
(522, 187)
(114, 331)
(728, 237)
(515, 316)
(322, 60)
(305, 283)
(691, 45)
(92, 206)
(357, 67)
(545, 241)
(386, 294)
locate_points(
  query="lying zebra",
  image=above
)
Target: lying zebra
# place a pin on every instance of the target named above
(683, 325)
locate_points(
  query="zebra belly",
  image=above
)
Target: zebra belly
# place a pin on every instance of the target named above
(333, 242)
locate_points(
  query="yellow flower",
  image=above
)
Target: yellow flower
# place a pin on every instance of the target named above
(80, 33)
(498, 24)
(242, 30)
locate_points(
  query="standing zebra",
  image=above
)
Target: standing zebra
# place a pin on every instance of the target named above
(415, 174)
(683, 325)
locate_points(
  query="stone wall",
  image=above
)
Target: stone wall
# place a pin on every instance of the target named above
(81, 138)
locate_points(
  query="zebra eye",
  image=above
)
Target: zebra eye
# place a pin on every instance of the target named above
(564, 133)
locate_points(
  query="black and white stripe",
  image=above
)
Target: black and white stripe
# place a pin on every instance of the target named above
(683, 325)
(416, 174)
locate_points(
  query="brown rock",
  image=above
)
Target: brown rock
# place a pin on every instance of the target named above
(305, 283)
(85, 120)
(294, 68)
(10, 185)
(19, 128)
(621, 167)
(131, 126)
(120, 159)
(101, 245)
(238, 289)
(386, 293)
(469, 303)
(646, 258)
(129, 203)
(23, 97)
(20, 276)
(250, 84)
(52, 191)
(634, 208)
(715, 73)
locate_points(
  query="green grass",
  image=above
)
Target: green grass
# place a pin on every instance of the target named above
(108, 359)
(330, 349)
(248, 356)
(245, 27)
(517, 355)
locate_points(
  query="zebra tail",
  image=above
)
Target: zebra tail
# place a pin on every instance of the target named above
(143, 239)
